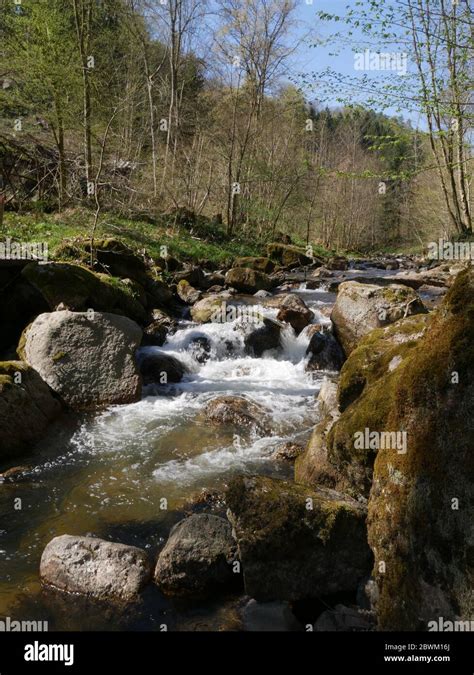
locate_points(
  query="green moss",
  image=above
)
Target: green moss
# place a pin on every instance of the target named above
(58, 356)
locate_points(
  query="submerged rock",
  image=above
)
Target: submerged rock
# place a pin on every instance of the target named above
(360, 308)
(238, 411)
(160, 368)
(87, 359)
(297, 543)
(197, 558)
(247, 280)
(27, 407)
(99, 569)
(294, 311)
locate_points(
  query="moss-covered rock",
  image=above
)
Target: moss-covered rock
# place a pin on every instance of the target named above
(295, 542)
(288, 255)
(421, 503)
(379, 353)
(247, 280)
(366, 387)
(260, 264)
(27, 407)
(79, 289)
(360, 308)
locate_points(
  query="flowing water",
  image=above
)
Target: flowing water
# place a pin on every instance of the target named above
(127, 473)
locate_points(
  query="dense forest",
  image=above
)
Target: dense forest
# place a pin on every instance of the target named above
(195, 109)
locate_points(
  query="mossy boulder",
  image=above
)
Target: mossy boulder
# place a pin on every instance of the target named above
(260, 264)
(288, 255)
(294, 542)
(79, 289)
(112, 257)
(27, 407)
(247, 280)
(379, 353)
(364, 395)
(421, 503)
(360, 308)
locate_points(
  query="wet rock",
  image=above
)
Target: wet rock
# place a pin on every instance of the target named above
(96, 568)
(294, 311)
(288, 452)
(197, 558)
(27, 407)
(360, 308)
(247, 280)
(88, 360)
(200, 348)
(237, 411)
(313, 466)
(324, 352)
(161, 325)
(160, 368)
(187, 293)
(264, 338)
(269, 616)
(295, 542)
(262, 294)
(260, 264)
(427, 540)
(345, 619)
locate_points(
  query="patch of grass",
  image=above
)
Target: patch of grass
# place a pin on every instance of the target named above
(210, 244)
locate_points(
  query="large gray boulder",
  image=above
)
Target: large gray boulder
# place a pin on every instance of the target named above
(197, 558)
(86, 358)
(360, 308)
(27, 407)
(99, 569)
(295, 542)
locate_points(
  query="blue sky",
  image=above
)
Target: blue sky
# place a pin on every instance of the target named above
(340, 58)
